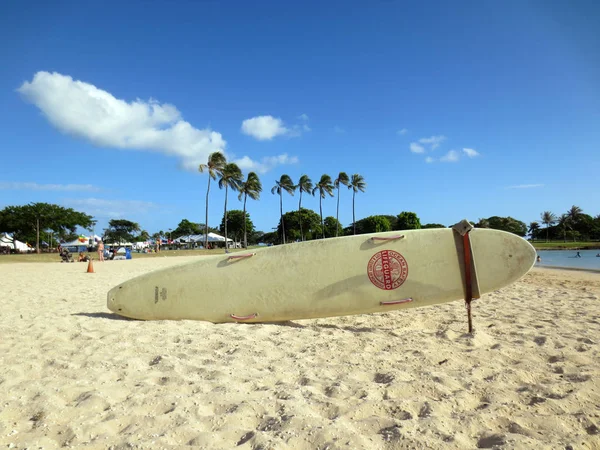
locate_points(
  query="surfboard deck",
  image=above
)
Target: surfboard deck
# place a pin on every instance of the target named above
(367, 273)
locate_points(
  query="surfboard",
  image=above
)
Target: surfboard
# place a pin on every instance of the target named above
(368, 273)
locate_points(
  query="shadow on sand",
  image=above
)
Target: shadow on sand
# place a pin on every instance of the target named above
(104, 315)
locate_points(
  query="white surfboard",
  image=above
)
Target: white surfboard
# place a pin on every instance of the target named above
(367, 273)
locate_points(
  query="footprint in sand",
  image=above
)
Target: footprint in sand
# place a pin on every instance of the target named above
(491, 440)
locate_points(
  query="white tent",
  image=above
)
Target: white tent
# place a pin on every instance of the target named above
(212, 237)
(7, 241)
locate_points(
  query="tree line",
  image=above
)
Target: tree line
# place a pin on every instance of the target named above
(35, 221)
(572, 225)
(230, 177)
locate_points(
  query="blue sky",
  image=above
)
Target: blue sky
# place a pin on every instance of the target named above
(449, 109)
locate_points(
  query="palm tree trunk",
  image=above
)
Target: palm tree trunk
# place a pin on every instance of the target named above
(546, 232)
(245, 236)
(300, 217)
(353, 218)
(337, 214)
(37, 245)
(321, 211)
(206, 219)
(225, 215)
(281, 214)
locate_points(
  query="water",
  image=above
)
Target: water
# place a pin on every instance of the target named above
(566, 258)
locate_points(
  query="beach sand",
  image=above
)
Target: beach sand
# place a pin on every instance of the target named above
(75, 375)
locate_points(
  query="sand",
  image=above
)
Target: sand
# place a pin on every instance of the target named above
(75, 375)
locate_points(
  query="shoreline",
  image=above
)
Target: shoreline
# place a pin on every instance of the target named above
(576, 269)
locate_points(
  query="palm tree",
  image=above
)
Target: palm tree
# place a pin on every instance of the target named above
(357, 183)
(324, 186)
(286, 184)
(548, 219)
(231, 177)
(564, 223)
(249, 188)
(341, 179)
(214, 166)
(574, 214)
(304, 185)
(534, 227)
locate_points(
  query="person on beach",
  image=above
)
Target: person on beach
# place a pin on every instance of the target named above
(100, 250)
(539, 258)
(83, 258)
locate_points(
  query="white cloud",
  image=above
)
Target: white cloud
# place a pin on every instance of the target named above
(525, 186)
(451, 156)
(266, 164)
(264, 128)
(48, 187)
(429, 160)
(111, 208)
(402, 132)
(337, 129)
(82, 110)
(426, 144)
(433, 141)
(303, 117)
(471, 153)
(416, 148)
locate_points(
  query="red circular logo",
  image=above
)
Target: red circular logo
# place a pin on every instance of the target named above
(387, 269)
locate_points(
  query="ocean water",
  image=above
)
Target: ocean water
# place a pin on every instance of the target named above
(567, 258)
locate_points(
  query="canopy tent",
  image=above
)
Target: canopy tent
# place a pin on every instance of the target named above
(81, 244)
(212, 237)
(7, 241)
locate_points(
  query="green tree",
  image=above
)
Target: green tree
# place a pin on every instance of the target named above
(433, 225)
(332, 226)
(120, 230)
(236, 225)
(304, 185)
(548, 219)
(357, 183)
(230, 178)
(483, 223)
(323, 187)
(214, 166)
(534, 229)
(27, 221)
(341, 179)
(574, 213)
(408, 221)
(564, 224)
(144, 236)
(375, 224)
(270, 238)
(507, 224)
(186, 228)
(286, 184)
(310, 220)
(252, 188)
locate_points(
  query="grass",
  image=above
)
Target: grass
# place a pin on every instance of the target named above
(54, 257)
(560, 245)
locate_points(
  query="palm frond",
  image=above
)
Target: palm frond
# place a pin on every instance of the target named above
(341, 179)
